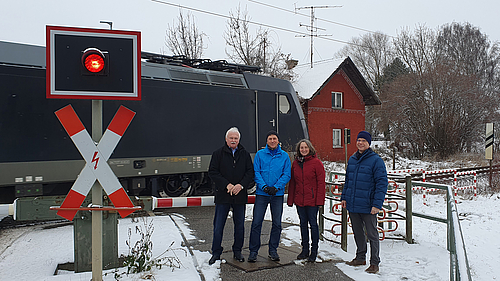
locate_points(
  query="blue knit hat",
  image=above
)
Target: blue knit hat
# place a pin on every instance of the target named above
(365, 135)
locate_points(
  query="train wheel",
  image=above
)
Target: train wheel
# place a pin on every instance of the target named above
(177, 186)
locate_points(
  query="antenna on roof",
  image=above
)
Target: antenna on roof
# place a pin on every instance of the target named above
(311, 27)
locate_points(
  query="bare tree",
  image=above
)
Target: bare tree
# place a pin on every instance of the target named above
(371, 53)
(256, 50)
(416, 49)
(438, 106)
(183, 38)
(443, 86)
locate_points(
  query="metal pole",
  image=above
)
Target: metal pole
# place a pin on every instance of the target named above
(343, 231)
(409, 208)
(394, 158)
(345, 144)
(321, 222)
(96, 198)
(491, 174)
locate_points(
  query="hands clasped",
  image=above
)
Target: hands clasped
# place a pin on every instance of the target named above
(271, 190)
(234, 189)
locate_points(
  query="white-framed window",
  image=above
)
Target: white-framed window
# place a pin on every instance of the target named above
(336, 100)
(337, 138)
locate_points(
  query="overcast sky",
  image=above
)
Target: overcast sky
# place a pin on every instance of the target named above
(24, 21)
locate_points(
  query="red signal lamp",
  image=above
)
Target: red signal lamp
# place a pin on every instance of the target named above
(93, 60)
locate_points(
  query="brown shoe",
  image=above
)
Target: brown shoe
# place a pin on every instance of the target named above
(372, 269)
(356, 262)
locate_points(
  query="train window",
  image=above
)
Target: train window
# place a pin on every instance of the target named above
(284, 105)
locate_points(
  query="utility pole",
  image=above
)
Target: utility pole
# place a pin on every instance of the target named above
(311, 28)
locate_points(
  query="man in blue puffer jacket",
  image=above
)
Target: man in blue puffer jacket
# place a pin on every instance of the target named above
(272, 168)
(363, 194)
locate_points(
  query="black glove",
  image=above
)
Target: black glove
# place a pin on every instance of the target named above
(271, 190)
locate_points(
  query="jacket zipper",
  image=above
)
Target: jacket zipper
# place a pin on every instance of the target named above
(304, 181)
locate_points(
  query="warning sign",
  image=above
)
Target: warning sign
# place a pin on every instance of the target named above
(96, 157)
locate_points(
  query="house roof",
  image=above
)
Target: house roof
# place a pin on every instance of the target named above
(311, 81)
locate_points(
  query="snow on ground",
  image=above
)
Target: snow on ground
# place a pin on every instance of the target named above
(427, 259)
(43, 249)
(4, 211)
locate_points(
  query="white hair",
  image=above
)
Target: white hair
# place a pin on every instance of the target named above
(233, 130)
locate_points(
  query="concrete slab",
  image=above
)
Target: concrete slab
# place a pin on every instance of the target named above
(200, 220)
(287, 257)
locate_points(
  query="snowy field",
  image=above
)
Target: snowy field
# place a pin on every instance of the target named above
(34, 253)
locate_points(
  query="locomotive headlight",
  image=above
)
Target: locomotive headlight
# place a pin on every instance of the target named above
(94, 61)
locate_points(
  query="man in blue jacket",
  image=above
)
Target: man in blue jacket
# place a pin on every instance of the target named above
(363, 194)
(272, 172)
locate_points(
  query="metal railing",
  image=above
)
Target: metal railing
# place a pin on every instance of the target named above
(459, 265)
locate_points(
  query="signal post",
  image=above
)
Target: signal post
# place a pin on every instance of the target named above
(100, 65)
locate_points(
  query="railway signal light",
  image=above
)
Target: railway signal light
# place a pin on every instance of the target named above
(84, 63)
(95, 62)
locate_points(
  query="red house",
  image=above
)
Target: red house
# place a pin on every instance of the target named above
(334, 99)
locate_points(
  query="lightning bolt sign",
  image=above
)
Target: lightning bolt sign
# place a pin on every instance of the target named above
(95, 159)
(92, 153)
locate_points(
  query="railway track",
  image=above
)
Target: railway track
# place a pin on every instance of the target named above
(448, 175)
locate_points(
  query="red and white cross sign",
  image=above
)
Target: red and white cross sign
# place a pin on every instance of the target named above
(97, 167)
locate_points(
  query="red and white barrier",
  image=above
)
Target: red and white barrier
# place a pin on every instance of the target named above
(202, 201)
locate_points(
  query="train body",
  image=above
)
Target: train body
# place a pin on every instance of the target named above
(181, 119)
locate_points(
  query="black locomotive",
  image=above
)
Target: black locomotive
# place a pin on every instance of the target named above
(186, 107)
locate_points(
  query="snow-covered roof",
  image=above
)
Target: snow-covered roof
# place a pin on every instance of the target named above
(309, 80)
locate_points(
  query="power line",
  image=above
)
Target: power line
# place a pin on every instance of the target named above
(318, 62)
(251, 22)
(305, 15)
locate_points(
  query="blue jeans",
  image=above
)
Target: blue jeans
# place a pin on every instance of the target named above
(221, 212)
(359, 223)
(309, 215)
(259, 211)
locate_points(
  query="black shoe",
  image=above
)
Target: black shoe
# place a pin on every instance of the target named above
(274, 256)
(303, 255)
(213, 259)
(252, 257)
(237, 256)
(312, 257)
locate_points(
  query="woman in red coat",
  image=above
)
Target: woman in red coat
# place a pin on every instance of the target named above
(307, 191)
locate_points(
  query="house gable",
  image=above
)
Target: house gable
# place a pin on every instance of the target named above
(326, 122)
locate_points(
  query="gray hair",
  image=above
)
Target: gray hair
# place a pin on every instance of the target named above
(233, 130)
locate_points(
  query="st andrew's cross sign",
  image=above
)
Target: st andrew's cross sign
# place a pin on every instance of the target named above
(96, 157)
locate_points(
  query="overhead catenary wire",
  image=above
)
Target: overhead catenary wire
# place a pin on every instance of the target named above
(305, 15)
(252, 22)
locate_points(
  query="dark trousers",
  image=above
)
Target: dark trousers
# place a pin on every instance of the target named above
(308, 215)
(259, 211)
(360, 223)
(221, 212)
